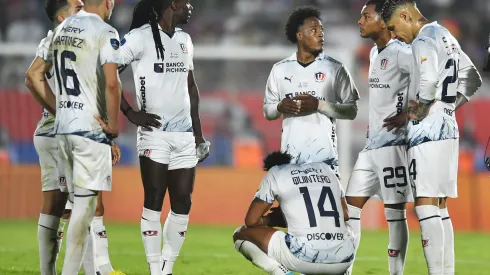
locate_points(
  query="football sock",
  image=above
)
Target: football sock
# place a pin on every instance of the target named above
(88, 263)
(254, 254)
(101, 246)
(448, 242)
(151, 230)
(174, 232)
(397, 248)
(48, 245)
(354, 223)
(432, 232)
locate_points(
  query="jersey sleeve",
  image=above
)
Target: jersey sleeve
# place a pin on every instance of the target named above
(109, 47)
(271, 98)
(425, 67)
(44, 49)
(266, 190)
(405, 59)
(345, 87)
(469, 80)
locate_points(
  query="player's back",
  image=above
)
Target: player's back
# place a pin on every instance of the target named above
(81, 45)
(310, 198)
(389, 82)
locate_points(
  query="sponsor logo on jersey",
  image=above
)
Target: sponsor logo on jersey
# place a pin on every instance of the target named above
(325, 236)
(62, 181)
(303, 85)
(150, 233)
(175, 67)
(320, 77)
(288, 79)
(143, 92)
(174, 55)
(374, 83)
(393, 253)
(424, 58)
(115, 44)
(384, 63)
(183, 47)
(158, 68)
(64, 104)
(399, 103)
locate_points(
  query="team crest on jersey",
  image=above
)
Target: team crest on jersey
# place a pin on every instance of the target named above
(114, 44)
(183, 47)
(319, 77)
(147, 153)
(62, 181)
(384, 63)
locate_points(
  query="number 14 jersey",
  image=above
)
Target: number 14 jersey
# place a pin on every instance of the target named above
(310, 198)
(81, 45)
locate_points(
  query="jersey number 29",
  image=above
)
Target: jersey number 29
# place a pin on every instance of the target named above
(326, 191)
(65, 73)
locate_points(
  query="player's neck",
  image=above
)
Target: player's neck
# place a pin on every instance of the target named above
(304, 56)
(418, 20)
(95, 10)
(382, 39)
(167, 22)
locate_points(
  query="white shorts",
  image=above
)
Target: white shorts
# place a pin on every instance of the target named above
(434, 168)
(177, 149)
(279, 251)
(382, 172)
(47, 150)
(86, 164)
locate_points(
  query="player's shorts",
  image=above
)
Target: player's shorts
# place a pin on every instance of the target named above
(279, 250)
(177, 149)
(69, 202)
(86, 164)
(47, 150)
(382, 172)
(434, 167)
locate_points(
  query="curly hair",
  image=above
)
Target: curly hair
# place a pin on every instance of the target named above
(53, 6)
(297, 19)
(275, 159)
(390, 7)
(378, 5)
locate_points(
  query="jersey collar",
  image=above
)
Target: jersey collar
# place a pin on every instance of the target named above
(428, 25)
(293, 57)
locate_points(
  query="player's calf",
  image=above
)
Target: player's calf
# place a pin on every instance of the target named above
(432, 232)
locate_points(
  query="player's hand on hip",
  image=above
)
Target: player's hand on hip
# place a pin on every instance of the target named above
(418, 110)
(395, 122)
(110, 132)
(289, 106)
(202, 148)
(144, 119)
(308, 103)
(116, 154)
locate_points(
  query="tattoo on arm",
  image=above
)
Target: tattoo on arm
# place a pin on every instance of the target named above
(423, 110)
(460, 100)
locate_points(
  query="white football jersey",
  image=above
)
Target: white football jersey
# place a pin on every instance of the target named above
(309, 137)
(161, 85)
(436, 55)
(310, 198)
(45, 126)
(389, 80)
(81, 45)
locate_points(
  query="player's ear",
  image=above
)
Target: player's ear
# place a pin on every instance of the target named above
(173, 6)
(299, 36)
(60, 19)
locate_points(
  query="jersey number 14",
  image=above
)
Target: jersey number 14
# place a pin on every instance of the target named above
(326, 192)
(65, 73)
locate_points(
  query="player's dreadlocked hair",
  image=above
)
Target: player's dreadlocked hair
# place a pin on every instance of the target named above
(275, 159)
(390, 7)
(297, 18)
(53, 6)
(147, 11)
(378, 5)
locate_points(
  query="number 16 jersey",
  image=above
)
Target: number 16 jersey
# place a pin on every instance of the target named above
(310, 198)
(81, 45)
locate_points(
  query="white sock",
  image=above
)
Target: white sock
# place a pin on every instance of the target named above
(101, 246)
(82, 214)
(48, 245)
(254, 254)
(174, 232)
(61, 233)
(397, 248)
(354, 223)
(88, 264)
(151, 230)
(432, 233)
(448, 242)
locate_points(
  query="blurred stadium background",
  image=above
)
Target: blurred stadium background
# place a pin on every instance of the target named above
(236, 44)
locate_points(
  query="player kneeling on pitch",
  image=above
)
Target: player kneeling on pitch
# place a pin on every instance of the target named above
(313, 209)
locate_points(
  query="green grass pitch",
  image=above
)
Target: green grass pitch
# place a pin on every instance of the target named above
(209, 250)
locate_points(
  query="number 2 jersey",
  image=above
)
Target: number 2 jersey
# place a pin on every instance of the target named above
(161, 83)
(81, 45)
(45, 126)
(310, 198)
(438, 59)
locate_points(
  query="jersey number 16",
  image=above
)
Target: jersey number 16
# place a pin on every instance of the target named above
(65, 73)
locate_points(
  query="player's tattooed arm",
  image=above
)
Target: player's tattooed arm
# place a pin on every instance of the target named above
(419, 110)
(460, 100)
(255, 215)
(38, 85)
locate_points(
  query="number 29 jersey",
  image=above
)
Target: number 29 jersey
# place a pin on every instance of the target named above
(81, 45)
(310, 198)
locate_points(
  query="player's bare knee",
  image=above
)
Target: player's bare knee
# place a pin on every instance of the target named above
(154, 201)
(426, 201)
(357, 201)
(442, 203)
(237, 233)
(398, 206)
(181, 205)
(99, 209)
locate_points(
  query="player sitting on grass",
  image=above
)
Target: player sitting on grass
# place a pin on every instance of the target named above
(314, 208)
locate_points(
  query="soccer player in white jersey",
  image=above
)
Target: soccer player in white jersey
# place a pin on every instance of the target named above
(445, 79)
(85, 54)
(381, 168)
(311, 90)
(161, 58)
(313, 209)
